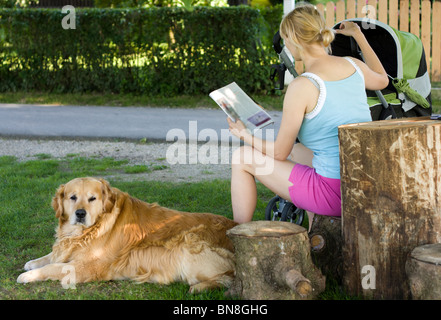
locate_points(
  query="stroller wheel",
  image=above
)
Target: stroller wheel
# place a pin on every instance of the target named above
(272, 209)
(293, 214)
(279, 209)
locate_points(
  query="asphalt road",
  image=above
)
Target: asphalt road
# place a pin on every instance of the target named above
(129, 123)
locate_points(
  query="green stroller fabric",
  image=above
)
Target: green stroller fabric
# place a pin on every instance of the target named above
(403, 57)
(402, 86)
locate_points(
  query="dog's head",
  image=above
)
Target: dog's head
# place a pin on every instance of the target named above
(81, 201)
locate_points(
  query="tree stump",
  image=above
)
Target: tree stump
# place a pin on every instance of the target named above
(391, 187)
(326, 245)
(423, 268)
(273, 261)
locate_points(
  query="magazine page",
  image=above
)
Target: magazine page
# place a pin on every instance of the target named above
(238, 105)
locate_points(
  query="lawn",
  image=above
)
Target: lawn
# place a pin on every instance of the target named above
(27, 220)
(269, 102)
(27, 224)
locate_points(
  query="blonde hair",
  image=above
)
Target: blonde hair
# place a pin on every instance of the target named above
(306, 25)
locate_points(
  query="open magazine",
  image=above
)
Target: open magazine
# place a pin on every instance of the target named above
(238, 105)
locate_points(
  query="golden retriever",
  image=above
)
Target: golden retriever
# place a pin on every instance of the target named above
(105, 234)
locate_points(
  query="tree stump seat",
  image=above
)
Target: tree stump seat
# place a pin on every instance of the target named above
(423, 269)
(273, 261)
(326, 245)
(391, 187)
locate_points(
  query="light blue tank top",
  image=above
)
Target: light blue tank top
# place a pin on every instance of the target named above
(340, 102)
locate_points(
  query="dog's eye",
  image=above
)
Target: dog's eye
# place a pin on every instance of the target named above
(74, 198)
(92, 199)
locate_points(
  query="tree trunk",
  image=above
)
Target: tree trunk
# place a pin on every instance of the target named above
(326, 245)
(273, 261)
(391, 187)
(423, 269)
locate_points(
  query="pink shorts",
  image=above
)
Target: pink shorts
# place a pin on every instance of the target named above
(313, 192)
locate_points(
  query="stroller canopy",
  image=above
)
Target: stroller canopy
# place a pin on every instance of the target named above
(403, 58)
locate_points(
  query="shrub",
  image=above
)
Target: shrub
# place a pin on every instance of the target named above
(164, 51)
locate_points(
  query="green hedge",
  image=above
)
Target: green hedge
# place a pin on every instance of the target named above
(164, 51)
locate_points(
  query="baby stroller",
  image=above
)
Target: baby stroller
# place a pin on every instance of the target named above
(408, 93)
(279, 209)
(402, 55)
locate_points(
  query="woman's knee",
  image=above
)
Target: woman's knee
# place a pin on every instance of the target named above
(252, 160)
(242, 156)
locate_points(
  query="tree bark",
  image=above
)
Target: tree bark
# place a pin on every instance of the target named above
(326, 246)
(391, 187)
(273, 261)
(423, 269)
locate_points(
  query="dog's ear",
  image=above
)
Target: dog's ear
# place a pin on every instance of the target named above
(108, 196)
(57, 202)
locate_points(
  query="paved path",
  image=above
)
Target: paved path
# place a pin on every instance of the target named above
(131, 123)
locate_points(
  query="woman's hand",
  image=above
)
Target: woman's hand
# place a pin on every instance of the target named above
(237, 128)
(348, 28)
(375, 77)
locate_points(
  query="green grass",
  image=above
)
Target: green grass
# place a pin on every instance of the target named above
(98, 99)
(269, 102)
(436, 97)
(27, 224)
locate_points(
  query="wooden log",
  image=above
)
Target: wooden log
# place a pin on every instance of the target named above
(273, 261)
(391, 187)
(423, 268)
(326, 245)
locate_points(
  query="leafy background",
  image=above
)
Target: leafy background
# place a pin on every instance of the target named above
(156, 51)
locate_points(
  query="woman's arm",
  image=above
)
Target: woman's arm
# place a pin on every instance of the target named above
(373, 71)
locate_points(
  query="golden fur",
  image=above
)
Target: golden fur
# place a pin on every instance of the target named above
(121, 237)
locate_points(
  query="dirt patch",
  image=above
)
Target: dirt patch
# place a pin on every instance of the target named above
(178, 162)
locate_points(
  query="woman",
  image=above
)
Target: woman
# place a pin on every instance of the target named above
(330, 93)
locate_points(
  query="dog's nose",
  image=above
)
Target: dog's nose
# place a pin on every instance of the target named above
(80, 213)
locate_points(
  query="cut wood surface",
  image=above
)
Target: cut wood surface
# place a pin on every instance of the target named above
(391, 187)
(273, 261)
(423, 269)
(326, 245)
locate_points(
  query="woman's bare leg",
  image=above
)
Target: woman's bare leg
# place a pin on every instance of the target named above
(248, 164)
(301, 154)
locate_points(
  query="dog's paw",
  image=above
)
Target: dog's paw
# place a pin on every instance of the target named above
(31, 265)
(202, 286)
(193, 289)
(27, 277)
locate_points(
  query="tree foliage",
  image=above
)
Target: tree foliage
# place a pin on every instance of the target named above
(164, 51)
